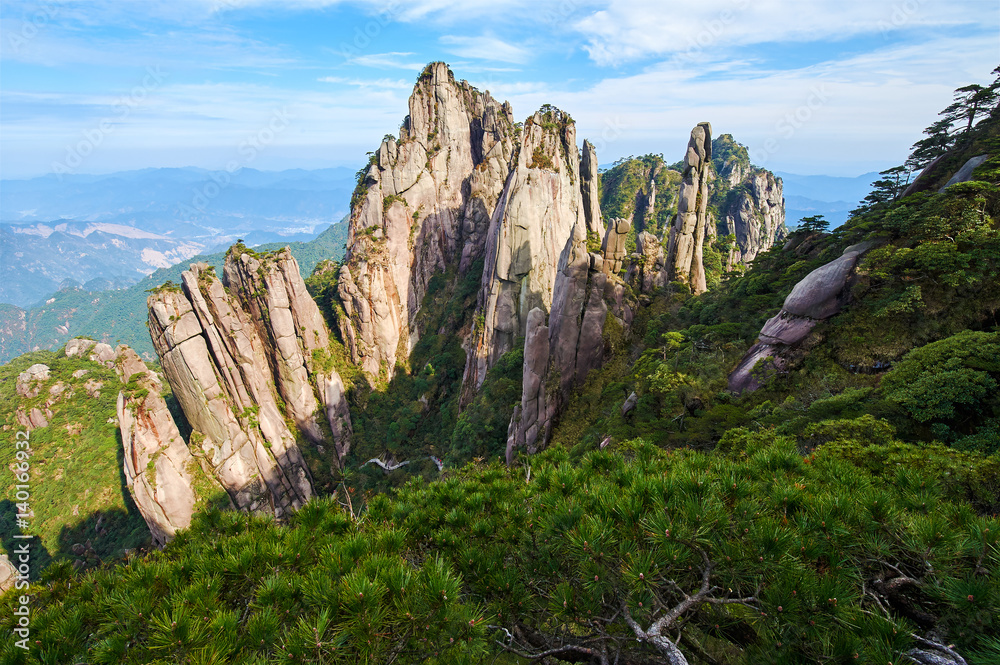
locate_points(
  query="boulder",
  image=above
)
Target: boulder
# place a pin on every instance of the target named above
(817, 296)
(964, 174)
(102, 353)
(27, 382)
(78, 347)
(8, 574)
(820, 294)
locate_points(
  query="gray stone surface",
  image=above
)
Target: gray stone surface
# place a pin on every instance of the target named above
(160, 470)
(820, 294)
(531, 225)
(28, 382)
(223, 378)
(964, 174)
(613, 246)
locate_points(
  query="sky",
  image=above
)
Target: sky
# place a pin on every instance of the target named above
(834, 87)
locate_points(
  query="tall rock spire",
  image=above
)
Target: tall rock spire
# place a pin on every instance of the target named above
(685, 250)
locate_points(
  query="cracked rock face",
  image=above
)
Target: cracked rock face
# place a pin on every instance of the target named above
(534, 218)
(220, 370)
(756, 217)
(424, 204)
(685, 250)
(650, 271)
(558, 357)
(161, 473)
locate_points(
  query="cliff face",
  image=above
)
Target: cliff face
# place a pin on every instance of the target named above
(558, 357)
(534, 218)
(685, 251)
(230, 349)
(424, 204)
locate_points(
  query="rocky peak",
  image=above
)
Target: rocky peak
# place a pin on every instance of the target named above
(424, 203)
(590, 187)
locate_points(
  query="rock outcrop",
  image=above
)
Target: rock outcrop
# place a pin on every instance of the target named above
(685, 251)
(292, 329)
(648, 271)
(755, 215)
(558, 357)
(614, 246)
(165, 479)
(29, 381)
(423, 205)
(229, 349)
(964, 174)
(818, 296)
(534, 218)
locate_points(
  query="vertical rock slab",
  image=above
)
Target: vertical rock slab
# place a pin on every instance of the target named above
(217, 366)
(590, 188)
(288, 322)
(423, 204)
(533, 220)
(685, 250)
(166, 481)
(613, 247)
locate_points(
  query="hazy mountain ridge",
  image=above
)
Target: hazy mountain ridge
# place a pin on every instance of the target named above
(119, 315)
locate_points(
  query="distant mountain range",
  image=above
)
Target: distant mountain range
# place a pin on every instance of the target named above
(110, 231)
(831, 196)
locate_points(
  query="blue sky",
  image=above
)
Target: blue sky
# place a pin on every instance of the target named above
(837, 87)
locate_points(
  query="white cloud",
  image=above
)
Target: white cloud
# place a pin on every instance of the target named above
(486, 47)
(382, 84)
(631, 29)
(388, 61)
(875, 106)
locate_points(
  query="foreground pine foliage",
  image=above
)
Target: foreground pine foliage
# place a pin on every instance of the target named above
(755, 556)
